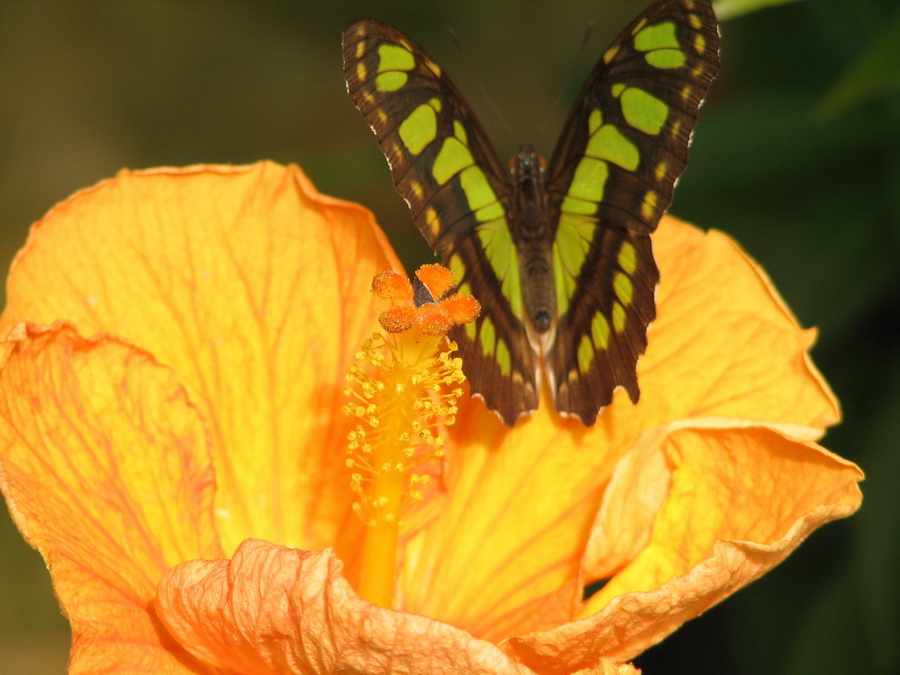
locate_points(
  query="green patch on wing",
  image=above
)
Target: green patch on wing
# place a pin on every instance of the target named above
(660, 46)
(419, 128)
(642, 110)
(496, 240)
(570, 250)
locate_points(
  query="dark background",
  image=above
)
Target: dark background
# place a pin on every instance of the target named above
(796, 155)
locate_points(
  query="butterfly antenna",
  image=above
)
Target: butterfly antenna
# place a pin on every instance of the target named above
(480, 83)
(568, 81)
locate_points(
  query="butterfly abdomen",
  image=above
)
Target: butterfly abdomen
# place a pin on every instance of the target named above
(538, 286)
(532, 231)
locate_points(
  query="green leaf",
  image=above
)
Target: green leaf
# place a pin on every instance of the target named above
(729, 9)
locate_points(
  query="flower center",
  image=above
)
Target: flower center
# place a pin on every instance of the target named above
(403, 389)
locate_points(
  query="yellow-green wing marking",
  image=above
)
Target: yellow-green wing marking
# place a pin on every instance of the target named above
(610, 180)
(458, 193)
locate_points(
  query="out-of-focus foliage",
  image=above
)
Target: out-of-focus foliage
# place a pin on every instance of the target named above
(871, 75)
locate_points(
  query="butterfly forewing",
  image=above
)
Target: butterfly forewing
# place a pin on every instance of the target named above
(458, 194)
(609, 182)
(625, 142)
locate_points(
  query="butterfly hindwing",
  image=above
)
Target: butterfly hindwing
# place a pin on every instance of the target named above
(609, 182)
(458, 194)
(603, 331)
(498, 361)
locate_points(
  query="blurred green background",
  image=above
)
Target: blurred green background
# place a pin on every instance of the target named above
(797, 155)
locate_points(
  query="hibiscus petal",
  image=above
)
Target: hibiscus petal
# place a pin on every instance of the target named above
(253, 287)
(720, 483)
(505, 551)
(736, 502)
(277, 610)
(724, 342)
(106, 471)
(499, 555)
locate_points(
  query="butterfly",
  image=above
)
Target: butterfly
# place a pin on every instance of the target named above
(559, 254)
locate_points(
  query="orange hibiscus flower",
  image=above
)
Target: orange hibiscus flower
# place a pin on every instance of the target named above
(173, 441)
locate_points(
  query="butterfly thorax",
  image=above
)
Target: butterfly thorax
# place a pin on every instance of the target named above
(533, 231)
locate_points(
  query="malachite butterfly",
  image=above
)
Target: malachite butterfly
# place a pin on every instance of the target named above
(559, 257)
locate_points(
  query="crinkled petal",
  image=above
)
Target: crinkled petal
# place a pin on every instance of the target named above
(723, 505)
(106, 471)
(708, 481)
(277, 610)
(504, 554)
(253, 287)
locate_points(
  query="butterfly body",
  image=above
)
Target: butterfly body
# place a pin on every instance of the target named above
(558, 254)
(532, 230)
